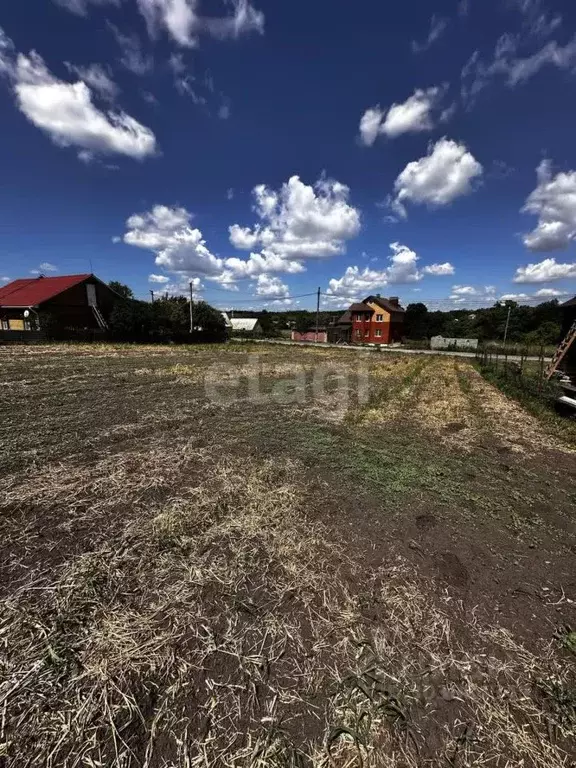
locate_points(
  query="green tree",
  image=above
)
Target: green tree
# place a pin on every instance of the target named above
(416, 321)
(303, 322)
(210, 320)
(547, 333)
(171, 316)
(266, 323)
(131, 319)
(122, 290)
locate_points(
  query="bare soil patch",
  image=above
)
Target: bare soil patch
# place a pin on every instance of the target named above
(380, 576)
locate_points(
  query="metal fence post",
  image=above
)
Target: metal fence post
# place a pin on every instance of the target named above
(541, 372)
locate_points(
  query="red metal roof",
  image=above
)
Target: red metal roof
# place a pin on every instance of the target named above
(30, 292)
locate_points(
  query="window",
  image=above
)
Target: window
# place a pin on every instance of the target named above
(91, 294)
(367, 332)
(359, 318)
(379, 318)
(378, 332)
(5, 326)
(358, 334)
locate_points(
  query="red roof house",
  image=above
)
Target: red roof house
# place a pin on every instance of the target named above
(69, 301)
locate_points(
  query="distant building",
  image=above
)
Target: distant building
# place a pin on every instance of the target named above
(321, 337)
(375, 320)
(441, 342)
(246, 326)
(69, 301)
(227, 322)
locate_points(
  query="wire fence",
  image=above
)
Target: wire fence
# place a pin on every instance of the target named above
(522, 375)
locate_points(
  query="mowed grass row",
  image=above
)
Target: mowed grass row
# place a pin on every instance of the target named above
(180, 587)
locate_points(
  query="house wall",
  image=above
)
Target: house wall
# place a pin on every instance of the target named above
(69, 309)
(14, 320)
(385, 326)
(369, 330)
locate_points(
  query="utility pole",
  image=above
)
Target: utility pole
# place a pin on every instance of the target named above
(507, 323)
(317, 315)
(152, 294)
(191, 307)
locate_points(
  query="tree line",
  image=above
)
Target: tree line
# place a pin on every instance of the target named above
(168, 317)
(528, 325)
(165, 319)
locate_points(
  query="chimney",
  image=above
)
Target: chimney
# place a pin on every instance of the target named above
(394, 301)
(378, 296)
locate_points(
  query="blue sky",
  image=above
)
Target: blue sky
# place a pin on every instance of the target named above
(263, 149)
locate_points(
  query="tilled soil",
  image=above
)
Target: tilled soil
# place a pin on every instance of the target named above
(277, 556)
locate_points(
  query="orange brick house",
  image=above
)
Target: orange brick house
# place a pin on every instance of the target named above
(375, 320)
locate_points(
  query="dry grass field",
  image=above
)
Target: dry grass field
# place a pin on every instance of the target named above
(253, 555)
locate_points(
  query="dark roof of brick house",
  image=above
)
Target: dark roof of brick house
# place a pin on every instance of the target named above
(360, 307)
(386, 304)
(30, 292)
(345, 319)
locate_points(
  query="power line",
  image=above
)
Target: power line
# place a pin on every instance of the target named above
(268, 299)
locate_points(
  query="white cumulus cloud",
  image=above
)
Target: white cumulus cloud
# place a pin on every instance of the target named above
(66, 112)
(178, 246)
(412, 116)
(514, 297)
(403, 268)
(439, 270)
(258, 263)
(444, 174)
(550, 293)
(355, 282)
(46, 266)
(464, 290)
(299, 221)
(471, 294)
(371, 125)
(544, 272)
(181, 249)
(271, 286)
(554, 202)
(160, 279)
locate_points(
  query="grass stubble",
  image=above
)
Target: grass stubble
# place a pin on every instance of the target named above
(175, 605)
